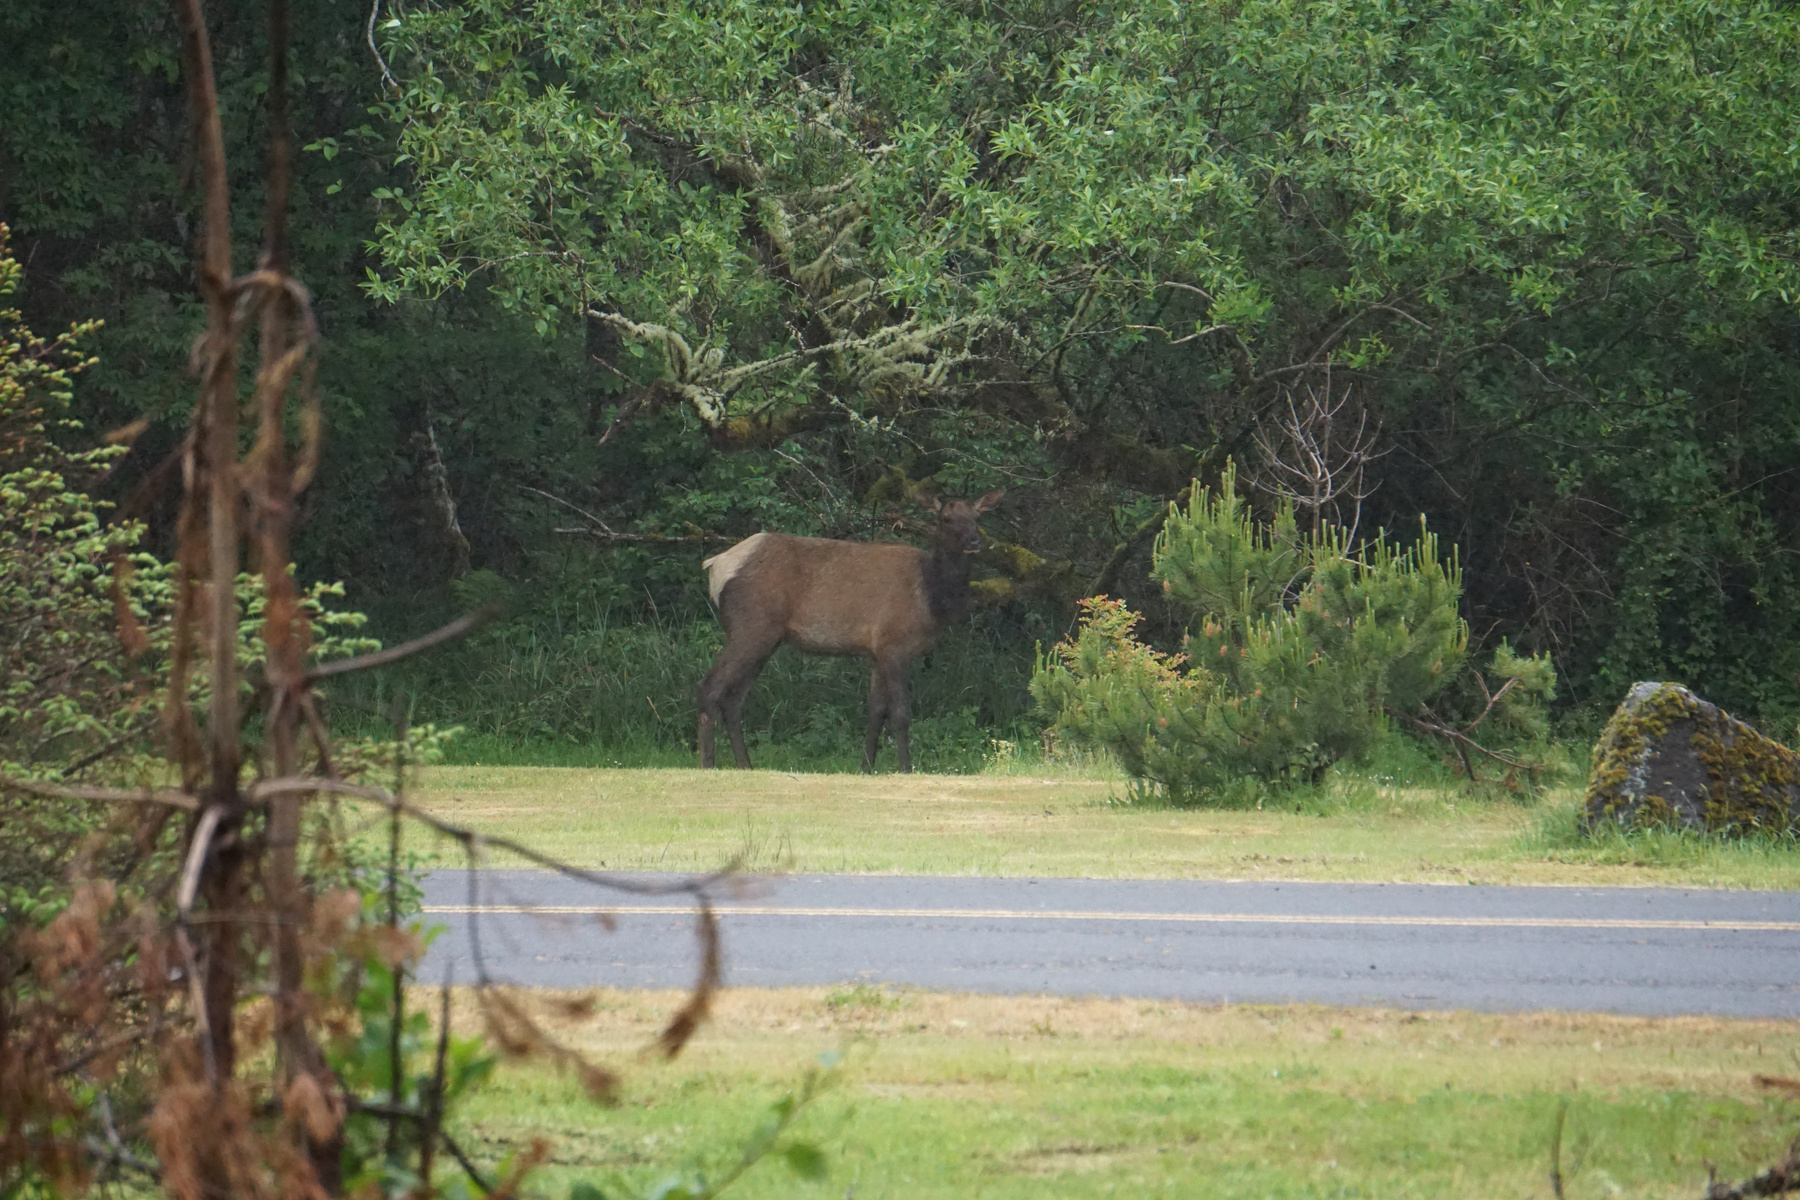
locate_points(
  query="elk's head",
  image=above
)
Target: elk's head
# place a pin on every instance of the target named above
(956, 528)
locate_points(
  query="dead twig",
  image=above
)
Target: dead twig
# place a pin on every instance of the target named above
(1492, 699)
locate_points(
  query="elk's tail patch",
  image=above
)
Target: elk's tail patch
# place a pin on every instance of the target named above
(722, 567)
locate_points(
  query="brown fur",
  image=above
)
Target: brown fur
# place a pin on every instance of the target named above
(884, 601)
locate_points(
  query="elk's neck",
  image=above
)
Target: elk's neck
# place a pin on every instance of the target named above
(947, 585)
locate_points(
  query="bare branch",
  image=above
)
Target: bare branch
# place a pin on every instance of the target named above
(1313, 465)
(654, 539)
(387, 76)
(67, 791)
(574, 508)
(685, 1022)
(1491, 700)
(606, 533)
(694, 886)
(1459, 739)
(199, 842)
(381, 658)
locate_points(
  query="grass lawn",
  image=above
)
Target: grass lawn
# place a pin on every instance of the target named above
(995, 1097)
(1072, 824)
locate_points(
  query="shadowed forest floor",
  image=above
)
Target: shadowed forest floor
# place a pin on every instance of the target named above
(944, 1095)
(1068, 824)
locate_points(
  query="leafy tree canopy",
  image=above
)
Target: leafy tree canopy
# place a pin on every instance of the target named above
(706, 267)
(737, 188)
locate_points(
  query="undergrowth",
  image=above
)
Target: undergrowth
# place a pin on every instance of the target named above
(1399, 775)
(580, 687)
(1557, 835)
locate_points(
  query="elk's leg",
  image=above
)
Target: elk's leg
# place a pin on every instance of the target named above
(706, 699)
(879, 693)
(900, 716)
(721, 694)
(734, 713)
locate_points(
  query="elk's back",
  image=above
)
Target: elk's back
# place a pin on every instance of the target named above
(825, 596)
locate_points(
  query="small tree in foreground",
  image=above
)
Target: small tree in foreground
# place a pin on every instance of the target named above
(1300, 646)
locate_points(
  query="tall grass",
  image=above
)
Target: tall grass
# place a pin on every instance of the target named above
(1558, 834)
(580, 686)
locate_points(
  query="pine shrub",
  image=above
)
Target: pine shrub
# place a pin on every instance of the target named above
(1298, 644)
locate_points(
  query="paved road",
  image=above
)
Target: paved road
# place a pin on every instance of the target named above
(1652, 951)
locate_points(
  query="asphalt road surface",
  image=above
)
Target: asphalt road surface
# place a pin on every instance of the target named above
(1652, 951)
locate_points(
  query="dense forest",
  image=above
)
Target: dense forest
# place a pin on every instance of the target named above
(605, 288)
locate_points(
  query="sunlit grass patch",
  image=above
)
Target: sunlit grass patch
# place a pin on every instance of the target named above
(1055, 820)
(959, 1095)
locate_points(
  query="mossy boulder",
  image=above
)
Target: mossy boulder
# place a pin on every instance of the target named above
(1669, 758)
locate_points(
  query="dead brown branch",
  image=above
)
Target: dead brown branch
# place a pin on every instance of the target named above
(699, 1001)
(114, 979)
(1492, 699)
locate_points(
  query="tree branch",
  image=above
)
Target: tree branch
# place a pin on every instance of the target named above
(1458, 739)
(75, 791)
(468, 837)
(382, 658)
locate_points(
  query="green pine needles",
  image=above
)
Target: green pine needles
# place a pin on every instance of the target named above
(1298, 645)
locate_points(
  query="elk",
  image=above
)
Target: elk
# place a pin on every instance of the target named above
(885, 601)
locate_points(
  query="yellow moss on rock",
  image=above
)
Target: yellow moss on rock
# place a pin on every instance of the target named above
(1669, 758)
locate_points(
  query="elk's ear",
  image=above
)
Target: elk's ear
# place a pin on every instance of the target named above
(988, 501)
(934, 503)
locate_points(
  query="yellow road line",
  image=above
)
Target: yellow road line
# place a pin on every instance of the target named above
(1015, 914)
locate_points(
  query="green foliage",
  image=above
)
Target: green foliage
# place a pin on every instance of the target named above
(1539, 239)
(1297, 646)
(1108, 689)
(85, 627)
(965, 165)
(68, 691)
(362, 1059)
(1526, 686)
(1552, 246)
(803, 1158)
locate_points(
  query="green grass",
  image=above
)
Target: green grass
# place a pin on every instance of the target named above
(999, 1097)
(1030, 819)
